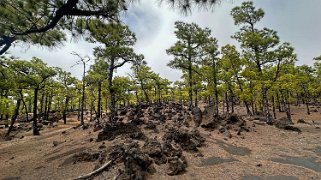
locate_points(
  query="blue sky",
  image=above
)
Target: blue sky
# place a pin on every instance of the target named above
(296, 21)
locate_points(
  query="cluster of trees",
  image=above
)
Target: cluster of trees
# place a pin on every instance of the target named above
(261, 74)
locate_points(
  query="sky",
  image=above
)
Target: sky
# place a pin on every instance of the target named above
(296, 21)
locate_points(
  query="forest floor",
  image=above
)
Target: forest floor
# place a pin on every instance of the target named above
(265, 152)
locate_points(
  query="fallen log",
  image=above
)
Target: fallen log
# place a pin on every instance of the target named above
(96, 171)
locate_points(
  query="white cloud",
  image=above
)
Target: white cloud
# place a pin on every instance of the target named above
(295, 20)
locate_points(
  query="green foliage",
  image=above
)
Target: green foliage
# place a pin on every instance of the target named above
(122, 85)
(246, 13)
(45, 22)
(188, 48)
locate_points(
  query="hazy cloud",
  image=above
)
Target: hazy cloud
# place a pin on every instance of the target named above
(296, 21)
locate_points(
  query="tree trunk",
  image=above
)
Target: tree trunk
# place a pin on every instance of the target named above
(111, 90)
(159, 94)
(46, 107)
(98, 116)
(180, 95)
(273, 106)
(65, 110)
(278, 102)
(144, 91)
(308, 109)
(25, 106)
(190, 87)
(248, 111)
(41, 103)
(266, 109)
(14, 116)
(82, 102)
(227, 103)
(285, 106)
(196, 100)
(34, 125)
(137, 98)
(306, 101)
(49, 107)
(231, 97)
(216, 111)
(91, 110)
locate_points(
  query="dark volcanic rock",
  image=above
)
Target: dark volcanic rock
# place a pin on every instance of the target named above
(110, 132)
(154, 149)
(135, 161)
(284, 123)
(196, 111)
(188, 140)
(176, 165)
(225, 123)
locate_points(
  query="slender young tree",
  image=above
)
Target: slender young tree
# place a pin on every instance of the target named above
(96, 76)
(211, 51)
(117, 51)
(82, 61)
(233, 64)
(68, 83)
(188, 50)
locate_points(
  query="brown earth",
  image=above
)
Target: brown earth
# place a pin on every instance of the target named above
(265, 152)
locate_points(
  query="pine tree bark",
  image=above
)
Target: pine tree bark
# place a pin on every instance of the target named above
(14, 116)
(98, 116)
(35, 100)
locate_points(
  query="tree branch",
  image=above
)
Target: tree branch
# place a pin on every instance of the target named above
(62, 11)
(6, 42)
(121, 64)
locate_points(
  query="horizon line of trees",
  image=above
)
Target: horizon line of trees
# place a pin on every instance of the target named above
(262, 76)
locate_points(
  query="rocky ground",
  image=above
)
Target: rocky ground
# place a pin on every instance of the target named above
(168, 142)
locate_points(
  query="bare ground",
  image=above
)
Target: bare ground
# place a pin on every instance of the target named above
(263, 153)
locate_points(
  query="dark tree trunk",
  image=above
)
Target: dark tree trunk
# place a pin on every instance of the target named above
(144, 91)
(286, 106)
(91, 110)
(82, 101)
(49, 107)
(273, 106)
(216, 105)
(190, 83)
(46, 107)
(111, 90)
(227, 103)
(196, 99)
(288, 113)
(79, 108)
(159, 94)
(180, 95)
(34, 125)
(266, 109)
(65, 110)
(278, 102)
(231, 97)
(14, 116)
(25, 106)
(248, 111)
(41, 103)
(137, 98)
(306, 100)
(98, 116)
(308, 109)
